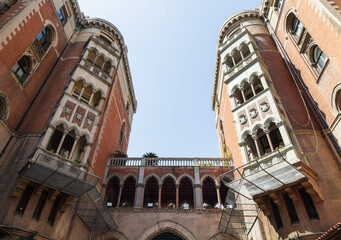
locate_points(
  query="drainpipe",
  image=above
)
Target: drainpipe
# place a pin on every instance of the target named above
(323, 122)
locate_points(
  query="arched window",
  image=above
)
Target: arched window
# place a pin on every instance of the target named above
(278, 4)
(113, 191)
(77, 89)
(107, 67)
(122, 135)
(55, 139)
(67, 145)
(151, 193)
(99, 62)
(319, 58)
(245, 50)
(128, 192)
(186, 193)
(22, 68)
(45, 38)
(296, 28)
(91, 56)
(2, 107)
(168, 193)
(209, 193)
(86, 94)
(223, 190)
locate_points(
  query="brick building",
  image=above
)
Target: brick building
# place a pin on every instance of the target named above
(66, 110)
(66, 104)
(277, 103)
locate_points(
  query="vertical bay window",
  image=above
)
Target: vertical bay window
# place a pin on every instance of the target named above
(39, 208)
(290, 209)
(25, 197)
(308, 204)
(276, 214)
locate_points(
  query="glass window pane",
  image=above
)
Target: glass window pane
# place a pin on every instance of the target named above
(316, 54)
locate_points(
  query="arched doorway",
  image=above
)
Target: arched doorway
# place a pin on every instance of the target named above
(167, 236)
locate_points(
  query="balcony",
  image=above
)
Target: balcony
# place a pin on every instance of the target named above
(238, 68)
(268, 173)
(58, 173)
(171, 162)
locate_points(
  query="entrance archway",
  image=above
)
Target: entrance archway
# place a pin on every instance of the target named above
(167, 236)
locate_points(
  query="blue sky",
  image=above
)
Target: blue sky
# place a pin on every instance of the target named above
(172, 51)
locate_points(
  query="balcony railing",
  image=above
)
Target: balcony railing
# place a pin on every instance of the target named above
(58, 173)
(171, 162)
(93, 69)
(242, 65)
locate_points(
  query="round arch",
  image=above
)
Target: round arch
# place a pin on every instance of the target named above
(184, 176)
(336, 99)
(150, 176)
(4, 106)
(165, 226)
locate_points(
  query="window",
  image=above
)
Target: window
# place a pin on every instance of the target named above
(22, 69)
(122, 134)
(308, 204)
(44, 39)
(55, 207)
(276, 214)
(319, 58)
(40, 205)
(291, 209)
(279, 4)
(296, 28)
(265, 144)
(55, 140)
(276, 138)
(2, 107)
(62, 14)
(24, 199)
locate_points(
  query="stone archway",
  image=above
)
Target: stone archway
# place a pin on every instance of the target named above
(165, 226)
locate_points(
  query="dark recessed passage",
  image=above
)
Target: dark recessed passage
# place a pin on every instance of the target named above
(167, 236)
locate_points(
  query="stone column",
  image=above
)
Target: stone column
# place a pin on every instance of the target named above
(73, 146)
(92, 95)
(284, 133)
(70, 87)
(119, 196)
(197, 187)
(47, 137)
(139, 189)
(177, 195)
(252, 88)
(87, 149)
(61, 141)
(101, 102)
(256, 144)
(243, 94)
(81, 93)
(218, 196)
(159, 197)
(267, 132)
(245, 155)
(86, 53)
(263, 81)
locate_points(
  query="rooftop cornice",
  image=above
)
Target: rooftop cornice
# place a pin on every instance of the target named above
(228, 25)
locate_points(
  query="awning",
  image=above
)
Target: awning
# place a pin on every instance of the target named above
(47, 169)
(254, 178)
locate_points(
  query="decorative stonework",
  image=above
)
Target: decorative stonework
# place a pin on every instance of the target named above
(264, 106)
(242, 119)
(253, 113)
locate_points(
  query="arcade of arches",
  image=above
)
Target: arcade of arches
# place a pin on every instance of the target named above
(169, 193)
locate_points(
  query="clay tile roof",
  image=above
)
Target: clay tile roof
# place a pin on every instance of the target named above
(331, 232)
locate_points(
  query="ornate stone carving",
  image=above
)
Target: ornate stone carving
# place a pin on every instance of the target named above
(264, 106)
(242, 119)
(253, 113)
